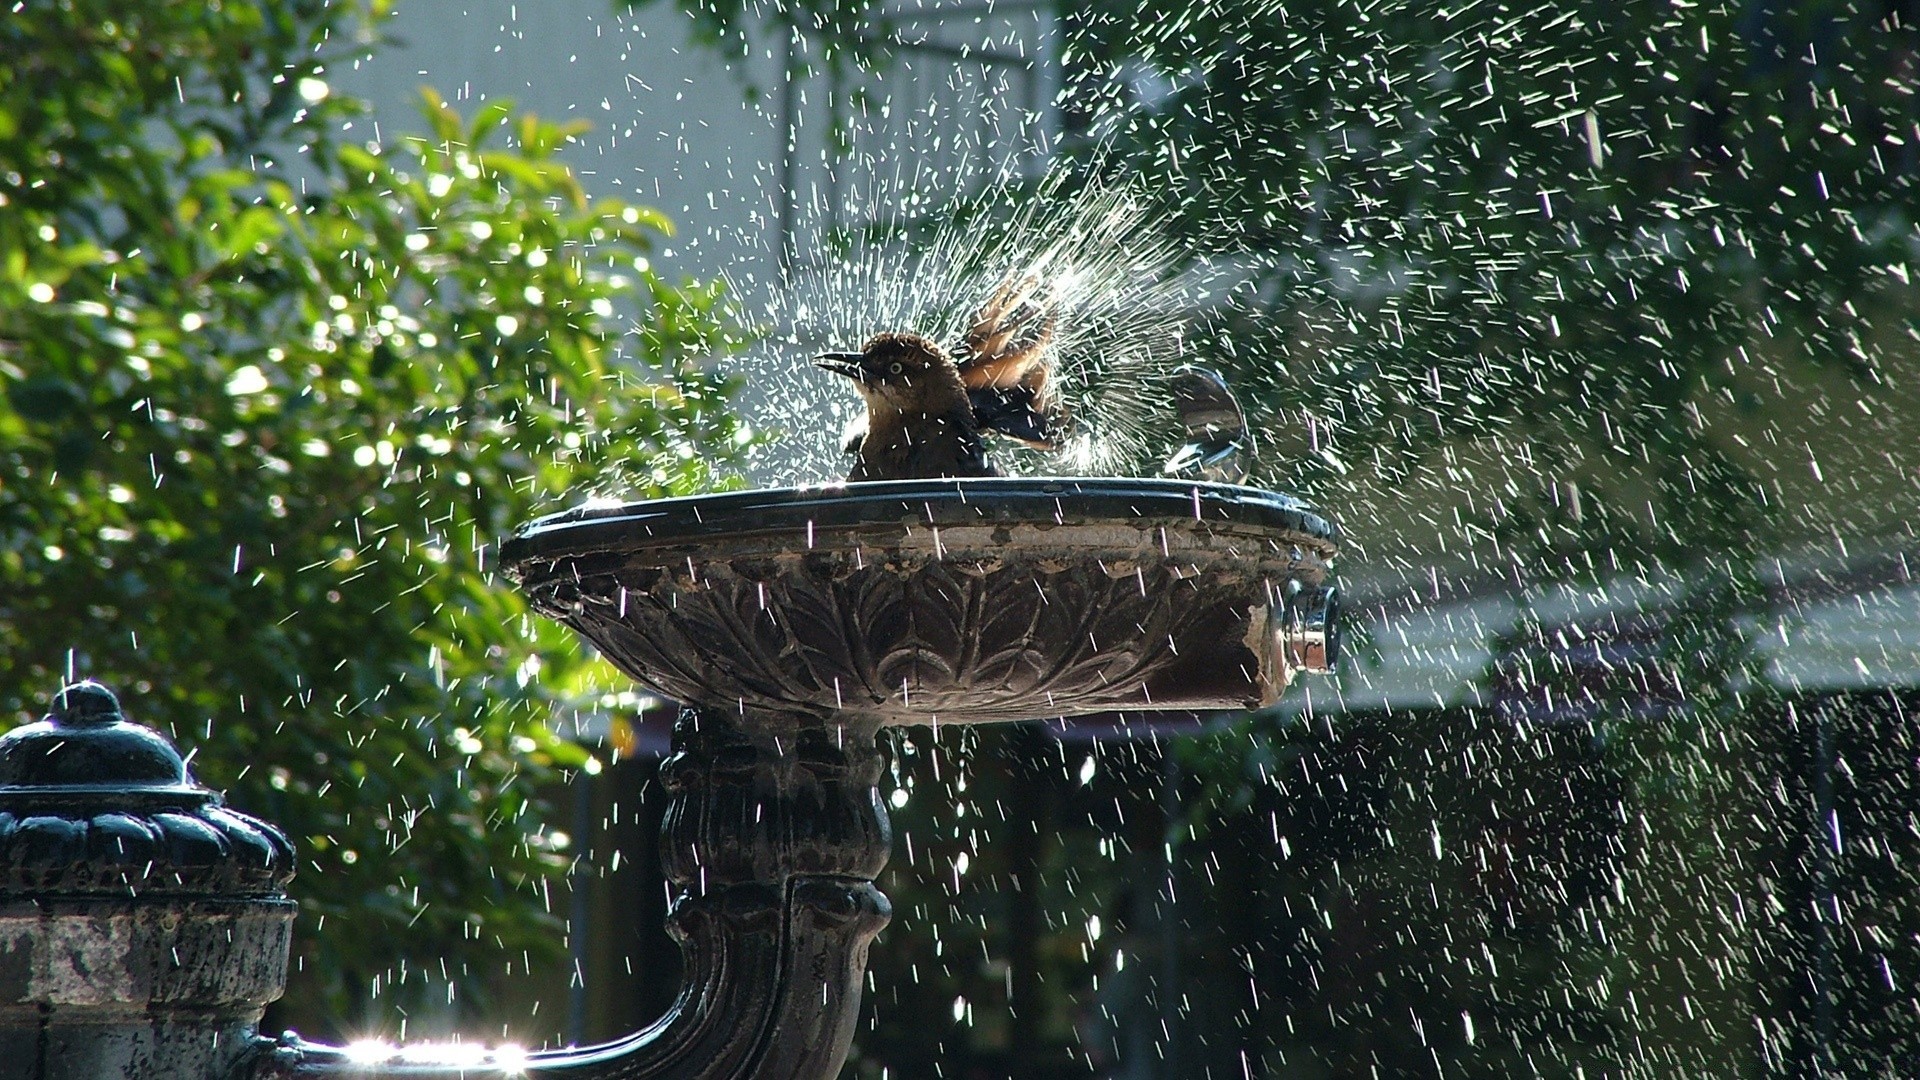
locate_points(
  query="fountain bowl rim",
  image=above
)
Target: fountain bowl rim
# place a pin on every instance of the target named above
(688, 519)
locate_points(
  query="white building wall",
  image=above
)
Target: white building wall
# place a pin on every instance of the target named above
(955, 105)
(672, 127)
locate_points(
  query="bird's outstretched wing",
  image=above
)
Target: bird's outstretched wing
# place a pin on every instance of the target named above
(1004, 363)
(1015, 412)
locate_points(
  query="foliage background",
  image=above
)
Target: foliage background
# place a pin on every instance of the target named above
(270, 394)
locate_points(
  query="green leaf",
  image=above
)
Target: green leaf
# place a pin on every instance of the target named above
(45, 399)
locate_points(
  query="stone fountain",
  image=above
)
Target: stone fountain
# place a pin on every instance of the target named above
(794, 625)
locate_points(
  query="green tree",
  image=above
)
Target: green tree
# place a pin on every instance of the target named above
(270, 394)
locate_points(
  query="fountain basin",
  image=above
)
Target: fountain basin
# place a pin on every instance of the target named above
(947, 601)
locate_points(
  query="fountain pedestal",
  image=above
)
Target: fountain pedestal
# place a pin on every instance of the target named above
(800, 623)
(774, 835)
(796, 624)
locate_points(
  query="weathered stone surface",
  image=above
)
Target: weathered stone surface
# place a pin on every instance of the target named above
(947, 601)
(142, 927)
(137, 990)
(142, 957)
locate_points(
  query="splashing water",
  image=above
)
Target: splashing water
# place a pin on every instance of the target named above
(1123, 295)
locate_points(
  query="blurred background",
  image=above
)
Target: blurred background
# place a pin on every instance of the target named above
(1592, 325)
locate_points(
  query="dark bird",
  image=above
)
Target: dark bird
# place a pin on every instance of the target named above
(920, 421)
(928, 410)
(1218, 445)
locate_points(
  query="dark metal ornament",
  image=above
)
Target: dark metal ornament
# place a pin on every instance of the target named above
(142, 925)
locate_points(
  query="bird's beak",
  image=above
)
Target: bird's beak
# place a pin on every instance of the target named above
(841, 363)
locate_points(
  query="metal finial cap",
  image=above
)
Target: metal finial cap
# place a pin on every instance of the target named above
(92, 803)
(85, 741)
(84, 704)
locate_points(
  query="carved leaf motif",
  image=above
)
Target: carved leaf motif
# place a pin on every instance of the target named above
(908, 634)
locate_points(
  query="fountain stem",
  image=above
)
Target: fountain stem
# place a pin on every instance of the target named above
(776, 821)
(773, 837)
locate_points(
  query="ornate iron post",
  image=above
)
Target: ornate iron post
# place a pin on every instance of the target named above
(142, 924)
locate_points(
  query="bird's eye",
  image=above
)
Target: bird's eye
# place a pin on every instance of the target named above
(894, 368)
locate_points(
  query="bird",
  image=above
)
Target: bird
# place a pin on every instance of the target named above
(920, 422)
(1219, 446)
(928, 408)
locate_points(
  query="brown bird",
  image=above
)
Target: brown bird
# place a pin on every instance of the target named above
(920, 422)
(927, 410)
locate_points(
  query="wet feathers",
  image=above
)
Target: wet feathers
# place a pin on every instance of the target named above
(927, 410)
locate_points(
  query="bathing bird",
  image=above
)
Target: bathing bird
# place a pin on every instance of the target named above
(920, 422)
(1218, 446)
(928, 409)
